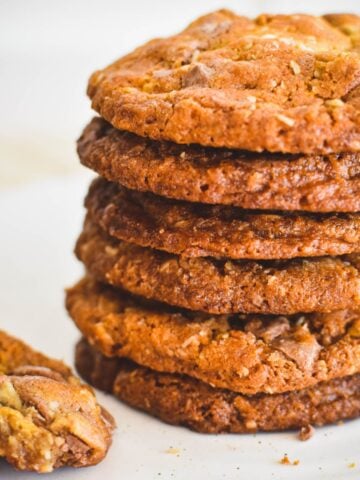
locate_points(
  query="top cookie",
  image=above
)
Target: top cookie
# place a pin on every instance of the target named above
(282, 83)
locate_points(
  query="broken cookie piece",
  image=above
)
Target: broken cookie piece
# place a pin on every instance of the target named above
(48, 419)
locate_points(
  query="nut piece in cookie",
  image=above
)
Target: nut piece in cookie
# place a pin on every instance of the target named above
(48, 419)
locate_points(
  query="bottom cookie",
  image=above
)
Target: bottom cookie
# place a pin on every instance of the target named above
(182, 400)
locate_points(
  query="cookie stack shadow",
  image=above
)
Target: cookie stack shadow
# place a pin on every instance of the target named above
(223, 285)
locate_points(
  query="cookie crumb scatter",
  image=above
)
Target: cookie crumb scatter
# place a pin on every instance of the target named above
(286, 461)
(306, 432)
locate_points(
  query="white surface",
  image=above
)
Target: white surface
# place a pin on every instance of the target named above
(39, 223)
(47, 51)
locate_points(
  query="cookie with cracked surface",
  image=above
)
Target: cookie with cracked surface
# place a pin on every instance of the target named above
(217, 176)
(182, 400)
(48, 419)
(281, 83)
(222, 286)
(247, 354)
(197, 230)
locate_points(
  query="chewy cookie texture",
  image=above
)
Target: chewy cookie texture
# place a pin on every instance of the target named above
(221, 241)
(48, 419)
(312, 183)
(222, 286)
(247, 354)
(282, 83)
(182, 400)
(197, 230)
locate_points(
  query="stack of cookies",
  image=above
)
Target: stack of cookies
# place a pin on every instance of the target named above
(222, 239)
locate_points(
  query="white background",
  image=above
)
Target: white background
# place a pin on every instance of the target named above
(48, 49)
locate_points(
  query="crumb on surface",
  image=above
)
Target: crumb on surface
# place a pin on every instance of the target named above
(173, 451)
(286, 461)
(306, 432)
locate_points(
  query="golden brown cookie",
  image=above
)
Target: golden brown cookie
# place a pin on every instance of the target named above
(48, 419)
(246, 354)
(282, 83)
(182, 400)
(222, 286)
(14, 354)
(232, 177)
(196, 230)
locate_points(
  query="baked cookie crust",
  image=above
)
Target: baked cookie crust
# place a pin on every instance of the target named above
(281, 83)
(311, 183)
(196, 230)
(48, 419)
(222, 286)
(246, 354)
(182, 400)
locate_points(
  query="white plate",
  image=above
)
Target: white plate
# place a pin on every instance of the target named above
(39, 224)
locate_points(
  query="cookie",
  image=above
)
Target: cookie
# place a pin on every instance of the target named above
(222, 286)
(196, 230)
(231, 177)
(281, 83)
(182, 400)
(48, 419)
(14, 354)
(246, 354)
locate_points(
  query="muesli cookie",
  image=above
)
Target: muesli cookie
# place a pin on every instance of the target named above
(197, 230)
(48, 419)
(281, 83)
(222, 286)
(247, 354)
(182, 400)
(311, 183)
